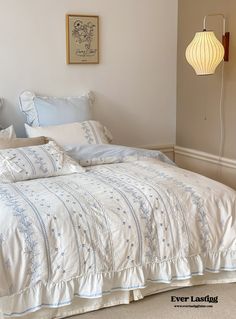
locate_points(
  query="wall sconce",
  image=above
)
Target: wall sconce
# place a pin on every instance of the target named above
(206, 52)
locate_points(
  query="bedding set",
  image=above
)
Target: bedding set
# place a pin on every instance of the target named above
(85, 226)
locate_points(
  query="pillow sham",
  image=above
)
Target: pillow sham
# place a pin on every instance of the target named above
(21, 142)
(8, 132)
(88, 132)
(19, 164)
(46, 111)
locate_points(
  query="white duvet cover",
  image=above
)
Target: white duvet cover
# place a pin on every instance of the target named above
(114, 227)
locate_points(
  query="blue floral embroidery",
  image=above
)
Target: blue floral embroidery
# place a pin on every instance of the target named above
(88, 134)
(75, 190)
(25, 227)
(197, 200)
(116, 185)
(39, 160)
(154, 238)
(93, 131)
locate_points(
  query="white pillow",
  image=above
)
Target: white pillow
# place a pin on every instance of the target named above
(47, 110)
(19, 164)
(88, 132)
(8, 132)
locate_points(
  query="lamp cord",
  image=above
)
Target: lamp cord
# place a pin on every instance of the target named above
(222, 128)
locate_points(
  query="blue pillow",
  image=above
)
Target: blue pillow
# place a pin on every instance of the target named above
(47, 111)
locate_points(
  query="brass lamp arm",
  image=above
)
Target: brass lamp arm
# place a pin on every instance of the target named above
(215, 15)
(225, 39)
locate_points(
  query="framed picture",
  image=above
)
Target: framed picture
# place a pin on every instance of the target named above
(82, 39)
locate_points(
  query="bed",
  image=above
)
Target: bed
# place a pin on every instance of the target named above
(130, 224)
(90, 224)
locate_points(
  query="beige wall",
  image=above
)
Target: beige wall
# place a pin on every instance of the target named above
(198, 125)
(135, 83)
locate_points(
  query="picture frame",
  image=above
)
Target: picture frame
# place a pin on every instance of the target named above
(82, 39)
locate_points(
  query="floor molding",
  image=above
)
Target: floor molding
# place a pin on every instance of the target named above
(207, 157)
(221, 169)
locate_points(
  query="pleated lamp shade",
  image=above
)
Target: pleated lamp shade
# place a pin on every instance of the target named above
(205, 53)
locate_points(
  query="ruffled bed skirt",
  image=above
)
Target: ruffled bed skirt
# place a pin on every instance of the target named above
(92, 286)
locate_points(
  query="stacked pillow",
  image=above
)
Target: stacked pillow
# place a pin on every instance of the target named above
(47, 111)
(88, 132)
(65, 120)
(30, 158)
(24, 163)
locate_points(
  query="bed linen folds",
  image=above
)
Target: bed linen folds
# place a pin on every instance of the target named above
(115, 227)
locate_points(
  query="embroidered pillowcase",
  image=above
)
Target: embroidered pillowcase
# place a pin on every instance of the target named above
(88, 132)
(8, 132)
(46, 110)
(19, 164)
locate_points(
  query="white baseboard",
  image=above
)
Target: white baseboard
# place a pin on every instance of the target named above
(223, 170)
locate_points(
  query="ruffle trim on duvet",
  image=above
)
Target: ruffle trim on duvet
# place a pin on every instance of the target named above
(54, 295)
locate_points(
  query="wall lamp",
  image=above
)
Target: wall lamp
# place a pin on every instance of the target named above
(206, 52)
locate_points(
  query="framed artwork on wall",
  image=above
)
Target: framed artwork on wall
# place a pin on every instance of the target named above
(82, 33)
